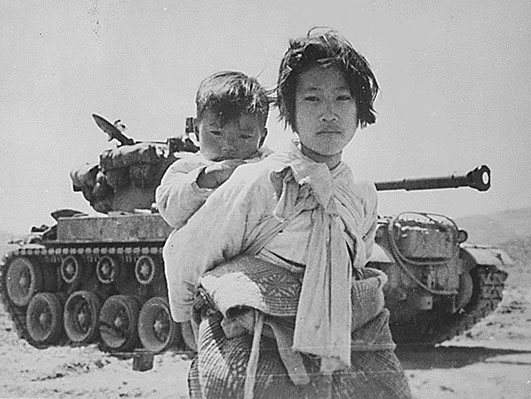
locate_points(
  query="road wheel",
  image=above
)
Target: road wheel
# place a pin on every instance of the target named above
(72, 271)
(118, 323)
(156, 328)
(23, 280)
(147, 270)
(44, 318)
(107, 269)
(81, 317)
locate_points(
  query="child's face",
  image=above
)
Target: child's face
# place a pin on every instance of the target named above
(239, 138)
(325, 113)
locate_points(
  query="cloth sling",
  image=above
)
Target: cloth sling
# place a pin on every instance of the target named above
(219, 370)
(273, 227)
(367, 301)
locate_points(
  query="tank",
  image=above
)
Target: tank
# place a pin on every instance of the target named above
(99, 279)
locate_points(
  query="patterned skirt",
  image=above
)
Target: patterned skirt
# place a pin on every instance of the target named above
(219, 369)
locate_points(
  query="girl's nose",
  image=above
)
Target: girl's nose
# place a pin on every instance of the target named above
(328, 114)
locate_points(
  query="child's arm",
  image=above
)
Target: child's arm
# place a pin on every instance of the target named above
(178, 196)
(183, 191)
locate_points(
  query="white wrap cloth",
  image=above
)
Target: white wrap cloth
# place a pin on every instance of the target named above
(323, 321)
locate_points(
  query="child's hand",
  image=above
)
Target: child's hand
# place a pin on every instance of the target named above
(215, 175)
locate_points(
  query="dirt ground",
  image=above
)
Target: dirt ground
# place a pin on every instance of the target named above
(493, 360)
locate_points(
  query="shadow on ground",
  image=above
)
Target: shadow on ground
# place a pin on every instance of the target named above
(423, 358)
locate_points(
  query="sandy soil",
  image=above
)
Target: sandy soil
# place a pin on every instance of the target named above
(493, 360)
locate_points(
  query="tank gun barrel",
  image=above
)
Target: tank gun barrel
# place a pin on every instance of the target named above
(478, 178)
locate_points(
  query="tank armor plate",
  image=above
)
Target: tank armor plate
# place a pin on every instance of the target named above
(120, 228)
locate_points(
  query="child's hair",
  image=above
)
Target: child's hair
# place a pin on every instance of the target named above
(231, 94)
(326, 49)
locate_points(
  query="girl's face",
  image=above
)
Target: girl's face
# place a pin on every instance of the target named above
(325, 114)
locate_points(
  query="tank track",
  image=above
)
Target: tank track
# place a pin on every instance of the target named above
(49, 257)
(430, 328)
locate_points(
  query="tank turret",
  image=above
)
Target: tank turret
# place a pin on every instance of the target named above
(125, 177)
(438, 285)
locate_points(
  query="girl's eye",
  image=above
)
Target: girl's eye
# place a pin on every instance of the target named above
(215, 132)
(245, 137)
(311, 98)
(344, 97)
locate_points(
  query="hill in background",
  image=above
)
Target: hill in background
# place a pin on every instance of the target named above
(496, 228)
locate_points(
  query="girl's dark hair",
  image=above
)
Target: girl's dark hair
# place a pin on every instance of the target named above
(326, 49)
(231, 94)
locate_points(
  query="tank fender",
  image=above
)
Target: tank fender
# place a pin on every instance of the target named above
(379, 255)
(483, 255)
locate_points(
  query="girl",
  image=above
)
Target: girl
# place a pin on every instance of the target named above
(311, 226)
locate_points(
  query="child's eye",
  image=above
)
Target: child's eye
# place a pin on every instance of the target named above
(245, 137)
(215, 132)
(344, 97)
(311, 98)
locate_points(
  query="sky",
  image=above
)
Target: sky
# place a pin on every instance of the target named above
(454, 76)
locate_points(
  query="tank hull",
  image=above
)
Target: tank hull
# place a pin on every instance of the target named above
(101, 286)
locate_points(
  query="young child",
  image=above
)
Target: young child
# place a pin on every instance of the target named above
(231, 113)
(232, 110)
(325, 91)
